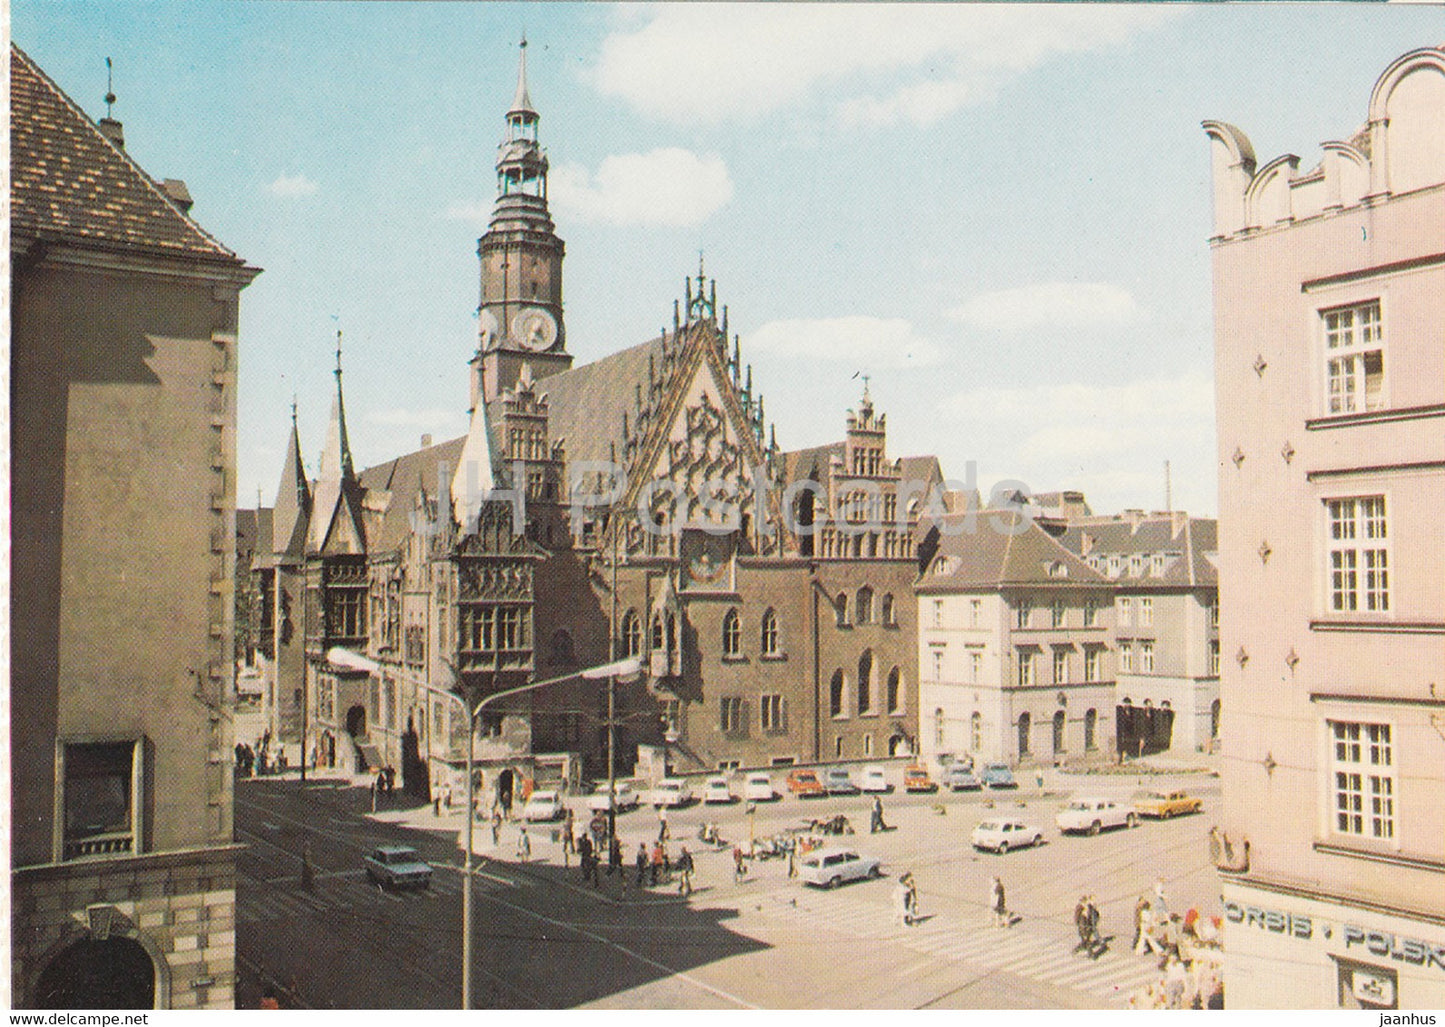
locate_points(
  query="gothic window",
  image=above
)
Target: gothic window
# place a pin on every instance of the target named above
(345, 613)
(895, 691)
(975, 731)
(731, 634)
(631, 634)
(659, 639)
(770, 634)
(841, 608)
(885, 610)
(865, 683)
(864, 606)
(835, 696)
(671, 632)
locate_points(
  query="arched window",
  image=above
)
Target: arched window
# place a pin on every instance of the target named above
(841, 608)
(770, 634)
(732, 636)
(1024, 725)
(658, 638)
(885, 610)
(863, 608)
(1091, 721)
(938, 728)
(1214, 719)
(561, 648)
(865, 683)
(835, 694)
(975, 732)
(895, 691)
(631, 634)
(671, 632)
(1058, 732)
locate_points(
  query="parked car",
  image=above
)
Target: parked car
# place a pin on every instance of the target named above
(1163, 803)
(828, 868)
(997, 775)
(1002, 835)
(717, 790)
(916, 779)
(759, 788)
(947, 760)
(806, 784)
(544, 805)
(625, 798)
(838, 782)
(670, 792)
(959, 778)
(1093, 815)
(397, 866)
(873, 779)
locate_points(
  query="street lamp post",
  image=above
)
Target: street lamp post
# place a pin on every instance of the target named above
(347, 658)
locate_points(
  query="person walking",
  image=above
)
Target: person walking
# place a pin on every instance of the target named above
(876, 823)
(658, 864)
(524, 845)
(1141, 909)
(496, 827)
(1091, 925)
(614, 858)
(903, 900)
(662, 831)
(684, 873)
(584, 856)
(1081, 923)
(569, 843)
(641, 862)
(1161, 905)
(738, 869)
(999, 904)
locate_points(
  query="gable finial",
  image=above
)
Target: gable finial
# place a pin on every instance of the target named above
(293, 409)
(338, 354)
(109, 90)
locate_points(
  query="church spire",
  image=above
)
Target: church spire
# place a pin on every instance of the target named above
(292, 513)
(336, 484)
(522, 101)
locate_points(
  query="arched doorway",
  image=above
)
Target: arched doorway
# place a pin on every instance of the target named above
(1214, 719)
(116, 973)
(505, 781)
(356, 721)
(1058, 732)
(1091, 722)
(1025, 724)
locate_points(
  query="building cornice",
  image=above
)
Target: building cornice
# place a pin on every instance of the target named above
(143, 861)
(1376, 417)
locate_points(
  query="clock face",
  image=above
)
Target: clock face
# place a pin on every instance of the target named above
(487, 328)
(535, 328)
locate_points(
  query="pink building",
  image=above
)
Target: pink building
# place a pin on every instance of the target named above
(1330, 368)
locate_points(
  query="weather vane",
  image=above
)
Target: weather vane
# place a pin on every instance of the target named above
(109, 91)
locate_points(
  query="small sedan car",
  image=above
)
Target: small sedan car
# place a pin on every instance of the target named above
(1093, 815)
(759, 788)
(874, 780)
(670, 792)
(828, 868)
(916, 779)
(838, 782)
(1002, 835)
(717, 790)
(997, 775)
(805, 784)
(625, 798)
(959, 778)
(1162, 803)
(396, 866)
(545, 805)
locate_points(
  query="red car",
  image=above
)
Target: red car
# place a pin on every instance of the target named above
(916, 779)
(805, 784)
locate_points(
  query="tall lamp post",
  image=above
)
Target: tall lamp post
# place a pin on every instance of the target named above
(356, 661)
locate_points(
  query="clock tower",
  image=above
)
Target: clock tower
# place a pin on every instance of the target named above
(520, 315)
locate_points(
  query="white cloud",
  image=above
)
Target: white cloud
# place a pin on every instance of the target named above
(441, 424)
(291, 186)
(669, 187)
(1080, 305)
(868, 342)
(707, 62)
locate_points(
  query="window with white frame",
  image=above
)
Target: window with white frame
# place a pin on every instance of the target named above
(975, 731)
(975, 612)
(730, 720)
(1214, 614)
(1146, 657)
(1026, 667)
(1056, 613)
(1136, 565)
(1091, 664)
(1126, 607)
(938, 727)
(938, 613)
(975, 667)
(1146, 612)
(1354, 358)
(731, 634)
(1214, 657)
(1091, 612)
(1126, 657)
(937, 655)
(772, 713)
(1362, 763)
(1113, 566)
(770, 634)
(101, 797)
(1061, 666)
(1359, 555)
(1156, 565)
(1024, 610)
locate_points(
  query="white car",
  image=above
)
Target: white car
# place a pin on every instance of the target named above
(1002, 835)
(828, 868)
(625, 798)
(545, 805)
(758, 788)
(670, 792)
(716, 790)
(873, 780)
(1093, 815)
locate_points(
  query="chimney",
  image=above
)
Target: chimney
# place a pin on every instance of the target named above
(426, 441)
(1086, 543)
(1134, 517)
(176, 191)
(112, 130)
(1180, 519)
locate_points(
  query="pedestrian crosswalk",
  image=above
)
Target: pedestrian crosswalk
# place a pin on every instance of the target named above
(1040, 950)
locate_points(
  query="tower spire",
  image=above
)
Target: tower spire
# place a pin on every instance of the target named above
(522, 101)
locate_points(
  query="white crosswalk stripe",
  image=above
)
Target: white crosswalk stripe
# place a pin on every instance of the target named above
(1037, 949)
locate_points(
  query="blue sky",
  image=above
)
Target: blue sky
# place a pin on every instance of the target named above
(998, 213)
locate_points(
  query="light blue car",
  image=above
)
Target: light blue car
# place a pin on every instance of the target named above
(997, 775)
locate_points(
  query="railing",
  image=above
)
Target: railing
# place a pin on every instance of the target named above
(99, 845)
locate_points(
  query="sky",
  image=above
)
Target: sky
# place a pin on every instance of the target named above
(997, 213)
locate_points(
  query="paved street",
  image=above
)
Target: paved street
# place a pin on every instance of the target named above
(546, 940)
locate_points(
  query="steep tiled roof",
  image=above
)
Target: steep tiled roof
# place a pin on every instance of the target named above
(1003, 549)
(69, 181)
(1193, 539)
(815, 462)
(427, 469)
